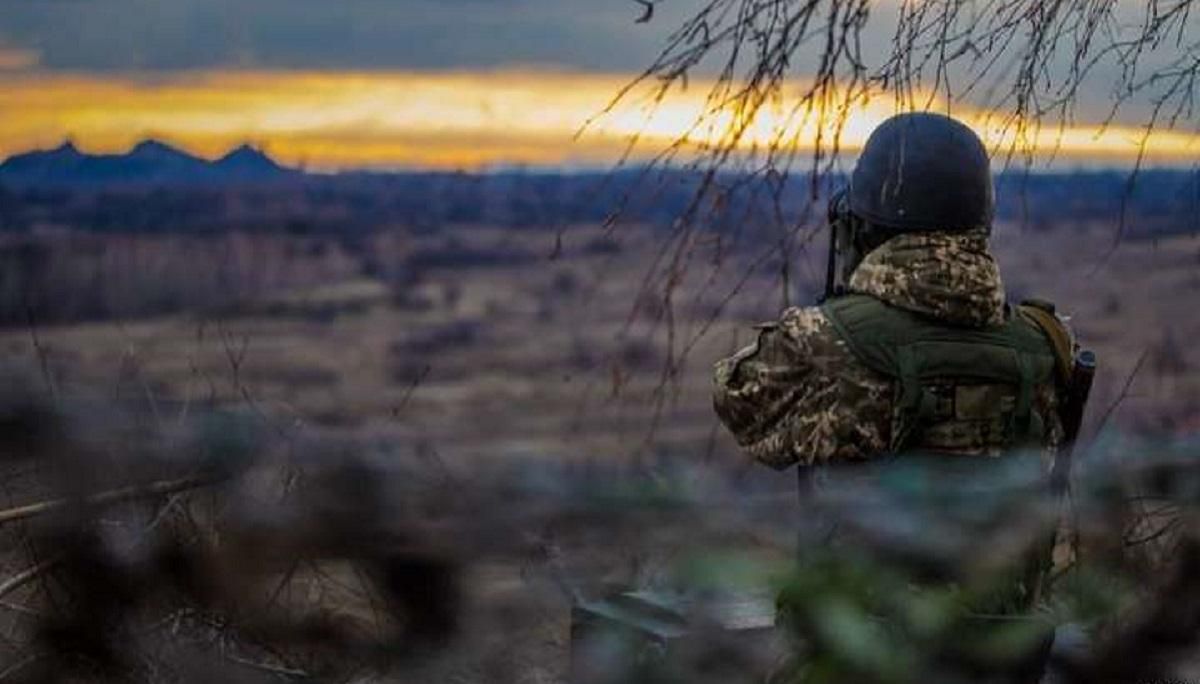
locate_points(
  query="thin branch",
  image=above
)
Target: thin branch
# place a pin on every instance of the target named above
(28, 575)
(109, 497)
(1124, 393)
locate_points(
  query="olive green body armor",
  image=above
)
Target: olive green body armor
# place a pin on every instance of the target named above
(959, 390)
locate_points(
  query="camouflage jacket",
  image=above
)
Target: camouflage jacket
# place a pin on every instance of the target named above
(799, 395)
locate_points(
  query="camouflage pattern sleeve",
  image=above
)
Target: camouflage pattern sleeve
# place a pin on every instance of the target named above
(798, 395)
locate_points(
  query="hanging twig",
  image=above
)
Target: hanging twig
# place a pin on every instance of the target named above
(1123, 394)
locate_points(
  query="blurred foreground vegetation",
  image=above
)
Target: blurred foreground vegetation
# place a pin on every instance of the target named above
(209, 548)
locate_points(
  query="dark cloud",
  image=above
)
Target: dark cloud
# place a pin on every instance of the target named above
(593, 35)
(330, 34)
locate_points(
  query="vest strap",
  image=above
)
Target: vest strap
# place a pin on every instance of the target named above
(1024, 408)
(910, 380)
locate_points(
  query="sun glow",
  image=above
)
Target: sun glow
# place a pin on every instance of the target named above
(465, 120)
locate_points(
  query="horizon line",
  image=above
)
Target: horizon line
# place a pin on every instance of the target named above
(1064, 165)
(466, 120)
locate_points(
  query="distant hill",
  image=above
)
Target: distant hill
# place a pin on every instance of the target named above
(149, 162)
(166, 189)
(248, 162)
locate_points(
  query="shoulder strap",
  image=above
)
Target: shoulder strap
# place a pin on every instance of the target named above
(1042, 315)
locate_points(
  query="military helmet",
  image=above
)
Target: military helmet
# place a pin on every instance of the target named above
(923, 171)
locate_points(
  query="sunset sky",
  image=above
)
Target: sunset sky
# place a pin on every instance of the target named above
(334, 84)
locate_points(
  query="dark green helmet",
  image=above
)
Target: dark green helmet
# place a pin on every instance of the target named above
(922, 172)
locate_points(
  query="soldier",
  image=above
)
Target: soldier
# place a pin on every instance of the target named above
(914, 347)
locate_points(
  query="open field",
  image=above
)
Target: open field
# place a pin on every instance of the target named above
(550, 358)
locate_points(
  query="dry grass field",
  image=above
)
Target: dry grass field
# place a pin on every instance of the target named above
(552, 359)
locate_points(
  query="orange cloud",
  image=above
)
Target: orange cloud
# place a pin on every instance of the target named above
(441, 120)
(16, 59)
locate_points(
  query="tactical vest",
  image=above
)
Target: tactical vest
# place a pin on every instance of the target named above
(959, 390)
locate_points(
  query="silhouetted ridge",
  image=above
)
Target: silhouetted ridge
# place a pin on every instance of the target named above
(44, 163)
(248, 161)
(67, 149)
(148, 162)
